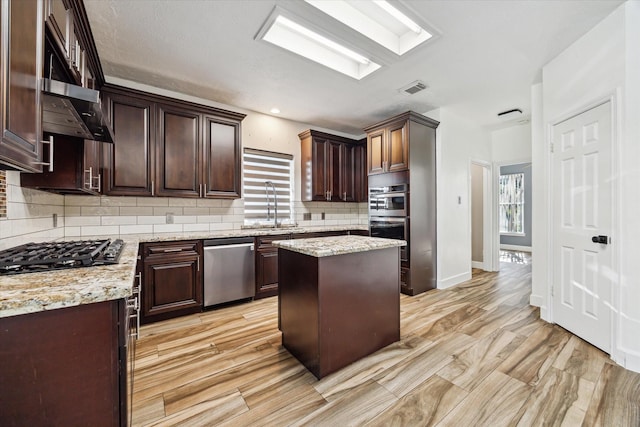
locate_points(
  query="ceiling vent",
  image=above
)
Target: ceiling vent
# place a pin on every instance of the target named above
(413, 88)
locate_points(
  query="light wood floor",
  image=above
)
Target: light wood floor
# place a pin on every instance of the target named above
(473, 355)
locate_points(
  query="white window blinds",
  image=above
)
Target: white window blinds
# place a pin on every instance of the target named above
(260, 167)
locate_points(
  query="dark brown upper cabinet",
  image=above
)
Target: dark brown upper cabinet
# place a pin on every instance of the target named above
(166, 147)
(178, 152)
(69, 33)
(331, 168)
(222, 158)
(388, 148)
(76, 168)
(21, 54)
(128, 164)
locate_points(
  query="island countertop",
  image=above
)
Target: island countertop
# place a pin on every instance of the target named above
(34, 292)
(337, 245)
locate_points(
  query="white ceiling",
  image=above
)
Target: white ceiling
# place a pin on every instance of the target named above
(486, 58)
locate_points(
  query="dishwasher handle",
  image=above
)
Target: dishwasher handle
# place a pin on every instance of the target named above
(239, 245)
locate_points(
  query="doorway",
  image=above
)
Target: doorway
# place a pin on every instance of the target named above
(480, 215)
(583, 217)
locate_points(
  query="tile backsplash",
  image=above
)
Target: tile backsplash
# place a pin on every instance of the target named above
(36, 216)
(90, 215)
(3, 194)
(30, 214)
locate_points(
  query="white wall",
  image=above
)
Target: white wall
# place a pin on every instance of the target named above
(511, 145)
(458, 141)
(539, 229)
(602, 63)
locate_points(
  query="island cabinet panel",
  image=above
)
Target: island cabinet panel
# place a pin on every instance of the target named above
(178, 153)
(222, 158)
(334, 310)
(63, 367)
(331, 168)
(21, 60)
(171, 280)
(189, 150)
(128, 165)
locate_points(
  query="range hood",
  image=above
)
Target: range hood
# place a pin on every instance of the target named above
(73, 110)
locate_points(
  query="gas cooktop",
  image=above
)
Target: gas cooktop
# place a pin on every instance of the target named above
(37, 257)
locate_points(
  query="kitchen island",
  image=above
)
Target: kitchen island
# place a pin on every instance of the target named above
(339, 298)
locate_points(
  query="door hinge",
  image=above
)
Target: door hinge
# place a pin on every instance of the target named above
(552, 293)
(551, 147)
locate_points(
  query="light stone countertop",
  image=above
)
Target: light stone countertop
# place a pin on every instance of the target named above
(337, 245)
(245, 232)
(34, 292)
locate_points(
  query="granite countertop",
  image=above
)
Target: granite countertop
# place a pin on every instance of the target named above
(245, 232)
(337, 245)
(33, 292)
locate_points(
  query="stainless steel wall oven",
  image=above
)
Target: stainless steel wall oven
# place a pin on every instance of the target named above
(389, 201)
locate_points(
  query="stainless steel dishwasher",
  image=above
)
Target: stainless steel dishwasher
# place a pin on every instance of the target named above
(229, 270)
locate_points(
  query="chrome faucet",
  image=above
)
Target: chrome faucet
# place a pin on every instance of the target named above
(275, 202)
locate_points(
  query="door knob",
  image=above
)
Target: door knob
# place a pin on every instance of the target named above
(600, 239)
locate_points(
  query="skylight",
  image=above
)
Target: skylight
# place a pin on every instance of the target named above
(378, 20)
(297, 38)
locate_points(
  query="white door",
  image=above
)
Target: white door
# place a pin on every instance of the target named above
(582, 211)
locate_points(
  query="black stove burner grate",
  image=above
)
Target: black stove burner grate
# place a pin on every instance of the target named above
(33, 257)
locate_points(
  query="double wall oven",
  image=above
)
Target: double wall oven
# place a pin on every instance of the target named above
(389, 213)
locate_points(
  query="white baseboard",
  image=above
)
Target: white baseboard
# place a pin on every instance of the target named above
(536, 300)
(515, 248)
(477, 264)
(454, 280)
(630, 361)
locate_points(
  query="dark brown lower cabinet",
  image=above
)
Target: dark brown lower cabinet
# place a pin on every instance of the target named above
(64, 367)
(172, 279)
(267, 266)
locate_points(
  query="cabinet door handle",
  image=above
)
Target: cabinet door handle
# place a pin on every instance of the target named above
(152, 188)
(99, 182)
(198, 261)
(344, 197)
(87, 181)
(204, 191)
(51, 153)
(50, 163)
(172, 250)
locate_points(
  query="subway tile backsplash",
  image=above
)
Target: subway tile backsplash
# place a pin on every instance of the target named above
(30, 215)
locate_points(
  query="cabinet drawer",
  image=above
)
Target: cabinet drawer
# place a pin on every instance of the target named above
(168, 248)
(319, 234)
(264, 242)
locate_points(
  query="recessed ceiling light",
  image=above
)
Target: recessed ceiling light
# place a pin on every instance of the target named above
(286, 33)
(378, 20)
(275, 110)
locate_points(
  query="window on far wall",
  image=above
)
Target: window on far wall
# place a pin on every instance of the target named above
(511, 190)
(260, 167)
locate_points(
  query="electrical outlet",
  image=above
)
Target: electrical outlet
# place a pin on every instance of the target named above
(55, 220)
(322, 215)
(306, 216)
(169, 219)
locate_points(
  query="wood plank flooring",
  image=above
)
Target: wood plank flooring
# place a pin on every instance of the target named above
(473, 355)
